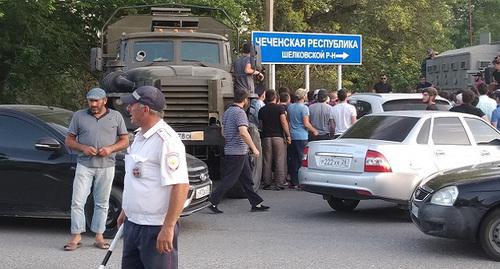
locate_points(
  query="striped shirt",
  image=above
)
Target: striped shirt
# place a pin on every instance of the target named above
(233, 118)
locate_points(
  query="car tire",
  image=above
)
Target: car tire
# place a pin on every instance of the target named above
(489, 235)
(256, 163)
(115, 207)
(342, 205)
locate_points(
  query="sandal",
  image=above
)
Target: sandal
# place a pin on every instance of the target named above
(101, 245)
(70, 246)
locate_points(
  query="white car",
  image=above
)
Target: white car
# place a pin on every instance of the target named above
(387, 155)
(367, 103)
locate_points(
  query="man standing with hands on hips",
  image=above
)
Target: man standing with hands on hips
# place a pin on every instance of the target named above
(156, 185)
(97, 133)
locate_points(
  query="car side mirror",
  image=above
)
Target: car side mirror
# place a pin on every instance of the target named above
(47, 144)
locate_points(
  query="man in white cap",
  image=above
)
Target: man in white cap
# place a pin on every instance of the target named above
(96, 133)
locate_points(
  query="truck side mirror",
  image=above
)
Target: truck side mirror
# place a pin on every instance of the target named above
(95, 59)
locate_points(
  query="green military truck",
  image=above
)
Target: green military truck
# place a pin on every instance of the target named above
(186, 55)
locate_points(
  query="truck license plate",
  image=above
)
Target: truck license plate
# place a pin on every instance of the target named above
(192, 136)
(335, 162)
(202, 192)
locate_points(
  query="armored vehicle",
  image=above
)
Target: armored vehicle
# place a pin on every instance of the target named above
(186, 55)
(456, 69)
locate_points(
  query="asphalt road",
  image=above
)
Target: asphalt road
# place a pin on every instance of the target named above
(300, 231)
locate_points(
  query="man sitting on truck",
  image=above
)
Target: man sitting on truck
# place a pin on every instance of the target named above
(243, 71)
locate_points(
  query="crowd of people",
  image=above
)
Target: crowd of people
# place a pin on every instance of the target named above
(288, 120)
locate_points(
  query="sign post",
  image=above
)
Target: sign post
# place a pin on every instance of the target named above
(309, 48)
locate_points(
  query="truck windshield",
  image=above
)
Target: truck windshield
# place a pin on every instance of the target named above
(148, 51)
(204, 52)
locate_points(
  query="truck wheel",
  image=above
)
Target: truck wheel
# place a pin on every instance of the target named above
(115, 207)
(256, 165)
(342, 205)
(489, 235)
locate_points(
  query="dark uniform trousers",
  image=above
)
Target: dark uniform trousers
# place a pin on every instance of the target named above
(139, 248)
(236, 167)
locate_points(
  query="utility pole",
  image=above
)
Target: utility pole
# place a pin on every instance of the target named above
(470, 22)
(271, 74)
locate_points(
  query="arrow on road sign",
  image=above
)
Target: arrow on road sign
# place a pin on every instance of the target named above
(343, 55)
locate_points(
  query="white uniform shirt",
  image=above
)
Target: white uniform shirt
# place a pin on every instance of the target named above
(159, 160)
(342, 116)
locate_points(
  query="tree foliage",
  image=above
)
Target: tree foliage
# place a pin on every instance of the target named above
(45, 44)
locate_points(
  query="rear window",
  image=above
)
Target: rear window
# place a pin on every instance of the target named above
(382, 128)
(412, 104)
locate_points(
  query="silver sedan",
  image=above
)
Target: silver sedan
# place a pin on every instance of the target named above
(387, 155)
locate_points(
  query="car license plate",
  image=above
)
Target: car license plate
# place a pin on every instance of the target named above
(335, 162)
(202, 192)
(414, 210)
(191, 136)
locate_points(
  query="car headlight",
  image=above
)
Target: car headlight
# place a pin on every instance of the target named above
(445, 196)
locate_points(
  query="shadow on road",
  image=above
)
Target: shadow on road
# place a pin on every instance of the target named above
(449, 248)
(377, 215)
(34, 223)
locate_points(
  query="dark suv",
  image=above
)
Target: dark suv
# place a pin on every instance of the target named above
(37, 169)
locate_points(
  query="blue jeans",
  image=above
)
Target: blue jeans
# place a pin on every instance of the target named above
(297, 151)
(103, 181)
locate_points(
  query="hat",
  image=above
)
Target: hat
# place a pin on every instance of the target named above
(322, 95)
(96, 94)
(146, 95)
(300, 93)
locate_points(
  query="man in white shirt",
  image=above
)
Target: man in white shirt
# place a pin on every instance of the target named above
(344, 114)
(156, 185)
(486, 104)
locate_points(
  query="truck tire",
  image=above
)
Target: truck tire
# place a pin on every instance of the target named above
(237, 191)
(115, 207)
(342, 205)
(489, 234)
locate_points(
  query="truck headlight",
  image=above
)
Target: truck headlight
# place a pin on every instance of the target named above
(445, 196)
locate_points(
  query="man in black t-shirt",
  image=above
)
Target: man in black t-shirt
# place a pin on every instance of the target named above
(275, 137)
(467, 107)
(382, 86)
(423, 84)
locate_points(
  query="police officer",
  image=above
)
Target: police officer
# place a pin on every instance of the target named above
(156, 185)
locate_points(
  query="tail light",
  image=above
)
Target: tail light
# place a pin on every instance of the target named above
(305, 163)
(376, 162)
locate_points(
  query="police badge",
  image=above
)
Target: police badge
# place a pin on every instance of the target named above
(137, 170)
(173, 161)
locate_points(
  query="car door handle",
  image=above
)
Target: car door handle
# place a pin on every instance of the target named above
(439, 152)
(485, 153)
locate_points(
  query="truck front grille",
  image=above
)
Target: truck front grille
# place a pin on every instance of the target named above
(187, 103)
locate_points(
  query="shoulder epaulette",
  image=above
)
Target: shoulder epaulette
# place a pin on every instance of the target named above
(163, 134)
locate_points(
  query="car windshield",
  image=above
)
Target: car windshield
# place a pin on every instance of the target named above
(382, 128)
(412, 104)
(204, 52)
(154, 51)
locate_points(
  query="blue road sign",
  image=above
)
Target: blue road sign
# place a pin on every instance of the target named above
(308, 48)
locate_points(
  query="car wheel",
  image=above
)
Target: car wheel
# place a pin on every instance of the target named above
(237, 191)
(115, 207)
(342, 205)
(489, 235)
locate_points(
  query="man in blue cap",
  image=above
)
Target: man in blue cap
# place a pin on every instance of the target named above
(155, 187)
(96, 133)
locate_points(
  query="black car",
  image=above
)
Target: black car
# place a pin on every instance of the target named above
(37, 169)
(463, 204)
